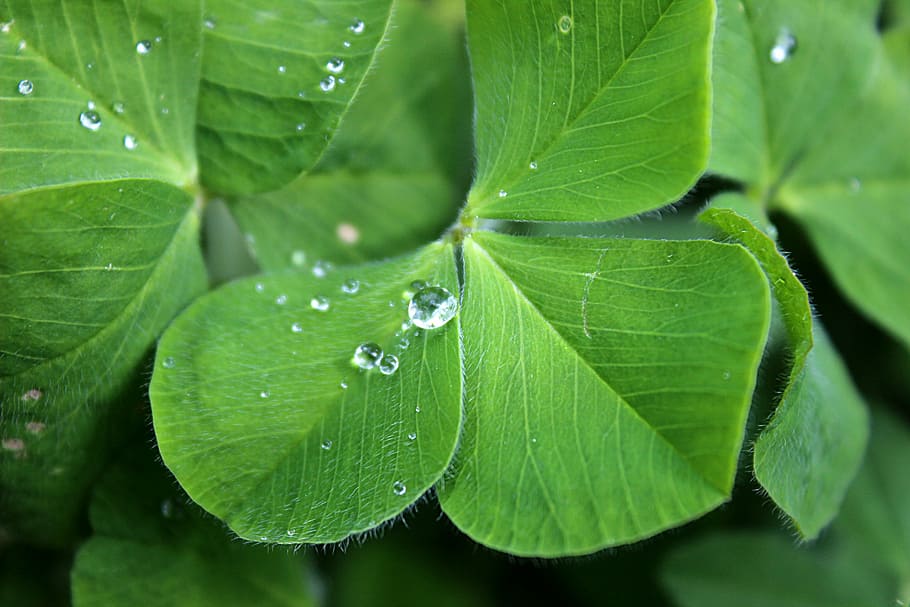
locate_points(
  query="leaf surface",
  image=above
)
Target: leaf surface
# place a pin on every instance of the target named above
(607, 387)
(812, 447)
(608, 100)
(388, 181)
(266, 422)
(269, 67)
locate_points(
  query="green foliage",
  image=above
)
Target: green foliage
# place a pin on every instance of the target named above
(558, 387)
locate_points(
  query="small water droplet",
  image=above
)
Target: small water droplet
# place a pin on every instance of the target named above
(388, 365)
(350, 286)
(89, 66)
(533, 166)
(5, 27)
(321, 268)
(281, 299)
(503, 193)
(412, 436)
(264, 394)
(784, 46)
(33, 394)
(143, 47)
(726, 375)
(300, 126)
(26, 87)
(347, 233)
(856, 185)
(417, 409)
(398, 488)
(129, 142)
(21, 46)
(209, 23)
(35, 427)
(346, 44)
(297, 327)
(260, 287)
(367, 355)
(344, 385)
(326, 445)
(282, 69)
(432, 307)
(327, 84)
(335, 65)
(169, 362)
(90, 120)
(165, 111)
(320, 303)
(357, 26)
(167, 508)
(118, 107)
(157, 38)
(298, 258)
(564, 24)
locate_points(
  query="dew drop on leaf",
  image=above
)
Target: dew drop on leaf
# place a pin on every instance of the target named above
(320, 303)
(564, 24)
(398, 488)
(350, 286)
(432, 307)
(855, 185)
(26, 87)
(412, 436)
(533, 165)
(388, 365)
(260, 287)
(503, 193)
(346, 44)
(321, 268)
(784, 46)
(90, 120)
(335, 65)
(169, 362)
(167, 508)
(367, 355)
(300, 126)
(130, 142)
(282, 69)
(281, 299)
(297, 327)
(344, 385)
(33, 394)
(326, 445)
(264, 394)
(298, 258)
(209, 23)
(357, 26)
(35, 427)
(143, 47)
(118, 107)
(327, 84)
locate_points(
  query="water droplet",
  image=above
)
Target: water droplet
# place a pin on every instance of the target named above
(89, 66)
(264, 394)
(169, 362)
(564, 24)
(35, 427)
(784, 46)
(13, 444)
(357, 26)
(300, 126)
(417, 409)
(503, 193)
(90, 120)
(344, 385)
(260, 287)
(26, 87)
(157, 38)
(326, 445)
(350, 286)
(143, 47)
(320, 303)
(533, 440)
(335, 65)
(297, 327)
(367, 355)
(346, 44)
(33, 394)
(432, 307)
(347, 233)
(282, 69)
(388, 365)
(404, 343)
(298, 258)
(21, 46)
(856, 185)
(412, 436)
(129, 142)
(209, 23)
(327, 84)
(118, 107)
(533, 166)
(281, 299)
(726, 375)
(167, 508)
(398, 488)
(165, 111)
(5, 27)
(321, 268)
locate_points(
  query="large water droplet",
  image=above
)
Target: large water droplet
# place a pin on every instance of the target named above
(564, 24)
(143, 47)
(367, 355)
(350, 286)
(398, 488)
(26, 87)
(130, 142)
(320, 303)
(388, 365)
(357, 26)
(432, 307)
(90, 120)
(335, 65)
(784, 46)
(169, 362)
(327, 84)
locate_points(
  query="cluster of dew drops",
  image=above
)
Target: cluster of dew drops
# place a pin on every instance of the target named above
(90, 118)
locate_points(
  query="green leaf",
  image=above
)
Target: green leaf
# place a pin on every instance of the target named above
(270, 66)
(875, 517)
(388, 182)
(762, 569)
(607, 387)
(151, 548)
(610, 101)
(99, 246)
(811, 449)
(267, 423)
